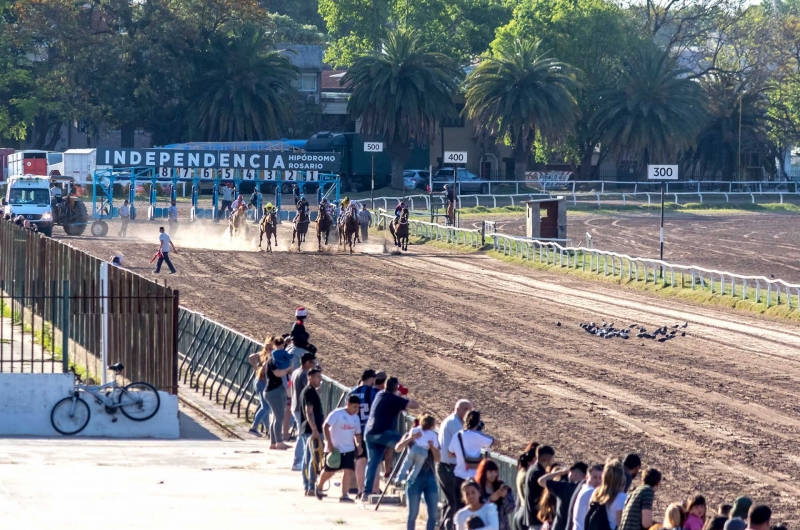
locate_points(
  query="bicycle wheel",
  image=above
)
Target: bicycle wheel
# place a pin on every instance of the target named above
(68, 419)
(139, 401)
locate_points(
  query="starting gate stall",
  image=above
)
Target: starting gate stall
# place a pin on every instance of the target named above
(103, 189)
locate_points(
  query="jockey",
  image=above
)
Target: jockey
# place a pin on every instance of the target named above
(345, 203)
(398, 211)
(302, 205)
(268, 208)
(299, 334)
(238, 202)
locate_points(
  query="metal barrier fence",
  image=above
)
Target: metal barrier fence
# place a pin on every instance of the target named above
(214, 361)
(436, 232)
(757, 288)
(70, 309)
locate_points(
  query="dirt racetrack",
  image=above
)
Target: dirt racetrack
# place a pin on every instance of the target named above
(757, 244)
(716, 411)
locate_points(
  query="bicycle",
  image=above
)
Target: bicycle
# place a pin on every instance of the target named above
(137, 401)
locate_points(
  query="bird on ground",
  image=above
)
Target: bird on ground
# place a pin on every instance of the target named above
(685, 325)
(558, 324)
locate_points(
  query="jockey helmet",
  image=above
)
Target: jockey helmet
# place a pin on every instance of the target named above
(324, 200)
(447, 186)
(302, 197)
(301, 312)
(402, 204)
(240, 198)
(269, 206)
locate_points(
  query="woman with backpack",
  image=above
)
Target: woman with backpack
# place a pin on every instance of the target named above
(608, 500)
(259, 362)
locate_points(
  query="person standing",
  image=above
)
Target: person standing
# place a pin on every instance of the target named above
(580, 505)
(260, 384)
(632, 464)
(608, 499)
(528, 514)
(638, 512)
(125, 218)
(475, 507)
(172, 215)
(445, 469)
(164, 245)
(275, 393)
(319, 195)
(366, 393)
(468, 446)
(759, 517)
(563, 491)
(299, 334)
(342, 431)
(227, 200)
(295, 194)
(494, 490)
(364, 220)
(311, 428)
(380, 431)
(424, 483)
(299, 383)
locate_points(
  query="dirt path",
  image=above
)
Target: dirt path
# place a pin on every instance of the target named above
(716, 410)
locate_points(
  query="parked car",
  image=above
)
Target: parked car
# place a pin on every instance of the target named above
(416, 179)
(467, 182)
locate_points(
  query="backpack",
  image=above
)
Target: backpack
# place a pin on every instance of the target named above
(597, 518)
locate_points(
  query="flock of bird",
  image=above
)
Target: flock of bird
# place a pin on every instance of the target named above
(607, 330)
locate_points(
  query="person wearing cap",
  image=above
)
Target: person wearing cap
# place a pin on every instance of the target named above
(366, 392)
(302, 205)
(739, 514)
(380, 431)
(398, 211)
(116, 260)
(299, 334)
(342, 430)
(311, 427)
(452, 198)
(563, 491)
(296, 194)
(299, 382)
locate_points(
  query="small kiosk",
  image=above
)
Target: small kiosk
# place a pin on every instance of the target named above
(546, 219)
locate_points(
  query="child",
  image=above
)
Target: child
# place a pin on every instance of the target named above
(418, 452)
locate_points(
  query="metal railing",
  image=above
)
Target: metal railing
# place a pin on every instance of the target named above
(433, 231)
(214, 362)
(757, 288)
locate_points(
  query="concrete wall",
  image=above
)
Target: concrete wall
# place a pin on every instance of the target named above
(27, 399)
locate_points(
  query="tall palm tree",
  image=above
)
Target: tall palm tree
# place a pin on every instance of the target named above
(246, 92)
(655, 112)
(400, 93)
(519, 91)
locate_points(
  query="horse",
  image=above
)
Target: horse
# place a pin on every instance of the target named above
(300, 227)
(269, 226)
(399, 230)
(324, 223)
(237, 224)
(348, 230)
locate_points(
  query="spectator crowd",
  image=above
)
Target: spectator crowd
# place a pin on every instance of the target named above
(449, 466)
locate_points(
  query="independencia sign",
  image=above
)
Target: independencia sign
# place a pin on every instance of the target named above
(181, 158)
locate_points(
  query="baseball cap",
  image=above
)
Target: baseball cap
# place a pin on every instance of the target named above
(380, 376)
(403, 390)
(741, 506)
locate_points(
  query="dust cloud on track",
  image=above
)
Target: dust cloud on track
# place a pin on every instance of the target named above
(716, 411)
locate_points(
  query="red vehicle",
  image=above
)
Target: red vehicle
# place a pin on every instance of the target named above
(30, 162)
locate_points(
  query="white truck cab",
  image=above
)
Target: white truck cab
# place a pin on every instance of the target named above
(29, 196)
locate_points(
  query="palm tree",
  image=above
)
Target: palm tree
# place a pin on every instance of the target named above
(246, 92)
(519, 91)
(400, 93)
(655, 112)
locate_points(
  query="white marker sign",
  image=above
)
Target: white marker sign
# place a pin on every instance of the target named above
(455, 157)
(655, 172)
(373, 147)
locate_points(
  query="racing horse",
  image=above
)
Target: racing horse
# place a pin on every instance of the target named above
(324, 223)
(300, 227)
(269, 226)
(399, 230)
(348, 230)
(237, 224)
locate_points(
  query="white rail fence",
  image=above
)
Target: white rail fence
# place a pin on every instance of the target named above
(435, 232)
(758, 288)
(600, 190)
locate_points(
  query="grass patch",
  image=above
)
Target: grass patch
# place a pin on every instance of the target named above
(655, 207)
(699, 295)
(500, 210)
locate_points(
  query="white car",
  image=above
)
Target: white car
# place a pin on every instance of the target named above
(29, 196)
(416, 179)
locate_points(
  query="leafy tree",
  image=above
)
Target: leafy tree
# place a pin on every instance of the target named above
(717, 145)
(246, 92)
(655, 113)
(401, 93)
(520, 91)
(565, 27)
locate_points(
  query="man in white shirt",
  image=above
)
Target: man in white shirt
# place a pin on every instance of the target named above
(125, 217)
(342, 431)
(584, 497)
(172, 216)
(164, 245)
(227, 199)
(445, 469)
